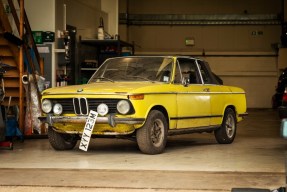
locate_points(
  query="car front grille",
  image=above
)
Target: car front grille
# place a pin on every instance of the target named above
(82, 106)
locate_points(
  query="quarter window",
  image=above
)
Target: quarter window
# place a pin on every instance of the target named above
(204, 73)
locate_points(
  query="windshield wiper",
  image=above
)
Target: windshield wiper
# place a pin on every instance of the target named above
(104, 78)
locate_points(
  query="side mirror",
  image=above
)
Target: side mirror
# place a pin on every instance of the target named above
(185, 81)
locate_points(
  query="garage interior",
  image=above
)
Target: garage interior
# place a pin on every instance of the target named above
(240, 39)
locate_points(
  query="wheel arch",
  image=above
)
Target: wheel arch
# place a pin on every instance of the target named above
(233, 108)
(163, 110)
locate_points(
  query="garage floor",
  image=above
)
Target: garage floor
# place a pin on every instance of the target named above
(193, 162)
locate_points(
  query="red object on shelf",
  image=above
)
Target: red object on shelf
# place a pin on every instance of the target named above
(6, 145)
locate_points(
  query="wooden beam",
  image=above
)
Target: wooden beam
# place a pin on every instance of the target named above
(4, 19)
(21, 70)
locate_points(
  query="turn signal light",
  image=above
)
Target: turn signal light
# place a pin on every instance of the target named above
(136, 97)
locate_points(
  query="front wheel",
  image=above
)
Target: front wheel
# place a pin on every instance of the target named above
(152, 137)
(227, 131)
(61, 141)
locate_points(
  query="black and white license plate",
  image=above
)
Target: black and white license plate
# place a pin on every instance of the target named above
(88, 129)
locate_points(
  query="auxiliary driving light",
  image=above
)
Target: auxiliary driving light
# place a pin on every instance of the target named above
(123, 107)
(102, 109)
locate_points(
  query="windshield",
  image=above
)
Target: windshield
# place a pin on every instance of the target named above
(134, 69)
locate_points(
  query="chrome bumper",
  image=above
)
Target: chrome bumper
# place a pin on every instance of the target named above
(111, 120)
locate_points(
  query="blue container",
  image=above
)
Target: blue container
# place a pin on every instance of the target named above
(12, 128)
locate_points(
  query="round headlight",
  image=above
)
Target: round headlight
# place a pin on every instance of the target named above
(57, 109)
(102, 109)
(46, 106)
(123, 107)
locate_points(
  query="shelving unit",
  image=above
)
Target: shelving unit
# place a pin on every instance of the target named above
(93, 52)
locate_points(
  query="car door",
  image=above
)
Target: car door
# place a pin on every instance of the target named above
(216, 93)
(193, 98)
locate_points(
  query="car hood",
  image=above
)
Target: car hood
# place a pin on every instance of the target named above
(107, 88)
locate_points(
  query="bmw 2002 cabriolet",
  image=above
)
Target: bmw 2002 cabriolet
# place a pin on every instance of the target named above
(145, 98)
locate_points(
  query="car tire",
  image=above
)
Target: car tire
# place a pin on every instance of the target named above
(61, 141)
(225, 134)
(152, 136)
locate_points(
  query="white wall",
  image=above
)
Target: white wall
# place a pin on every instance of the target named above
(41, 14)
(81, 15)
(111, 8)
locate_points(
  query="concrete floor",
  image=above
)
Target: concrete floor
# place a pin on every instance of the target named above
(192, 162)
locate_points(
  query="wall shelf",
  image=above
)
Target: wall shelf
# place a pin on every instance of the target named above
(59, 50)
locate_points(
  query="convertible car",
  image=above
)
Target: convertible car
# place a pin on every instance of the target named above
(144, 98)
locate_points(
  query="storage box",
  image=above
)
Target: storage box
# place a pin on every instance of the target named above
(37, 35)
(43, 36)
(48, 36)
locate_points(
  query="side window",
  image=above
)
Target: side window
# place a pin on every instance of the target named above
(204, 73)
(188, 71)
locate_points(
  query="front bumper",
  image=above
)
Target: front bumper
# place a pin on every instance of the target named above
(110, 119)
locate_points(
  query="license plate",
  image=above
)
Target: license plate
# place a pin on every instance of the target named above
(87, 133)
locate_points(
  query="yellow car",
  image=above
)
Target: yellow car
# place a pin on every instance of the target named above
(145, 98)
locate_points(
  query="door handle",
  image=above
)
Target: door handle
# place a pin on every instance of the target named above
(206, 89)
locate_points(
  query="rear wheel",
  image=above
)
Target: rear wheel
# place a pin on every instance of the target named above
(227, 131)
(61, 141)
(152, 137)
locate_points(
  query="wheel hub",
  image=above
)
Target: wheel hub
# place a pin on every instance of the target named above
(157, 133)
(230, 126)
